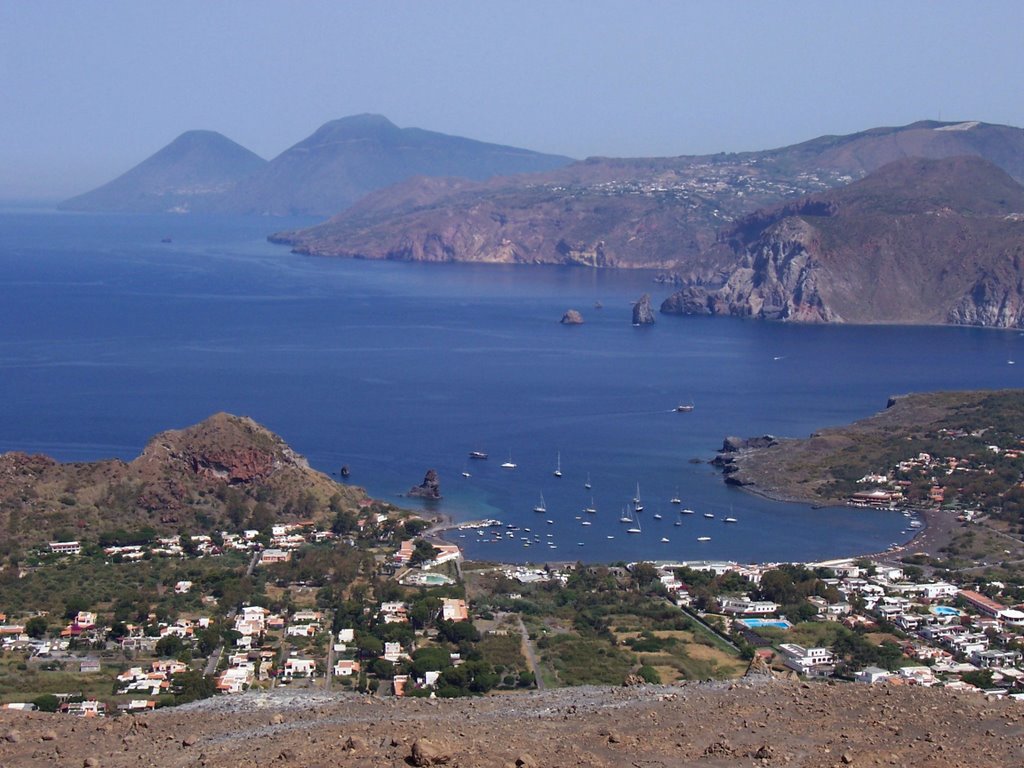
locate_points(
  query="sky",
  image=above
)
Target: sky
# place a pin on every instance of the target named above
(91, 89)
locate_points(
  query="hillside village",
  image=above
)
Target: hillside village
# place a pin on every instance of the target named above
(375, 607)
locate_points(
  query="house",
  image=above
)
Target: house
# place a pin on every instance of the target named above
(983, 605)
(453, 609)
(85, 620)
(271, 556)
(393, 652)
(296, 667)
(398, 684)
(182, 587)
(66, 547)
(235, 679)
(872, 675)
(89, 666)
(745, 607)
(346, 668)
(993, 659)
(812, 662)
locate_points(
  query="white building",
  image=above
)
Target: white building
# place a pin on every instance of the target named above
(812, 662)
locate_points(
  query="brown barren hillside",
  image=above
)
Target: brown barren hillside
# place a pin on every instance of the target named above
(754, 722)
(199, 478)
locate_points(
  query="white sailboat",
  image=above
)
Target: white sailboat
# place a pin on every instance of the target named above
(637, 504)
(591, 510)
(675, 499)
(541, 506)
(626, 516)
(558, 465)
(587, 484)
(509, 464)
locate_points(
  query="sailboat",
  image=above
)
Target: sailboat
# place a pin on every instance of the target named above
(626, 516)
(675, 499)
(558, 465)
(635, 528)
(591, 509)
(587, 484)
(541, 506)
(637, 505)
(509, 464)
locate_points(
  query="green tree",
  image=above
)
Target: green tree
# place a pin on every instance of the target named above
(36, 627)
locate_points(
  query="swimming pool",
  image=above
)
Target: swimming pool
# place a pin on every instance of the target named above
(755, 623)
(944, 610)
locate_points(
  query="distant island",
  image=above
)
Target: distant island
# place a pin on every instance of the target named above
(342, 161)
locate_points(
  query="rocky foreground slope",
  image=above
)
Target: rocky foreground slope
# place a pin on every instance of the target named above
(754, 722)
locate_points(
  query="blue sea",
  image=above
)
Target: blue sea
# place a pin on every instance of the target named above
(108, 336)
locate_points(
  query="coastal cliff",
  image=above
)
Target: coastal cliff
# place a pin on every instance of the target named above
(918, 241)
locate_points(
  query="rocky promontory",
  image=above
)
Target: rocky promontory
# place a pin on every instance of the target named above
(222, 472)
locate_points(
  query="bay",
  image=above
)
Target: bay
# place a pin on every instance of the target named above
(108, 336)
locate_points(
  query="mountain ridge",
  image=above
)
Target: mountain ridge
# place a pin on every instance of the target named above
(336, 165)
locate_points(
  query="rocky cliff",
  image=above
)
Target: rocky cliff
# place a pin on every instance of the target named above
(918, 241)
(200, 478)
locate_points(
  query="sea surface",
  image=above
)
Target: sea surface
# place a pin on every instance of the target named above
(108, 336)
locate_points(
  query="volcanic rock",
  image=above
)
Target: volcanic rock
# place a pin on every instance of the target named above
(572, 317)
(430, 488)
(642, 312)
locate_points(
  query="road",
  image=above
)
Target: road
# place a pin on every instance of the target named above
(531, 658)
(214, 661)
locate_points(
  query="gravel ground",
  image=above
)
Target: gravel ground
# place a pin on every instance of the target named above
(756, 721)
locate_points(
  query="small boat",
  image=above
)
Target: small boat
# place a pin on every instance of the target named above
(686, 511)
(633, 530)
(466, 474)
(598, 305)
(703, 538)
(479, 455)
(509, 464)
(558, 465)
(609, 536)
(626, 517)
(675, 499)
(591, 510)
(709, 516)
(541, 506)
(657, 515)
(586, 522)
(684, 408)
(587, 484)
(730, 520)
(166, 240)
(678, 522)
(664, 540)
(637, 504)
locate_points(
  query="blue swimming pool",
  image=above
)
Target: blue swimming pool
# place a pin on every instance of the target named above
(944, 610)
(755, 623)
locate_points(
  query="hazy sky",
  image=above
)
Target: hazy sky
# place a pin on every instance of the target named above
(91, 88)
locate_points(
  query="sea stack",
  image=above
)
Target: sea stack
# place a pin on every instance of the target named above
(430, 488)
(642, 312)
(572, 317)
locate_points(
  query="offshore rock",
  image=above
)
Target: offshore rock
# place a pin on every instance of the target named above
(642, 312)
(572, 317)
(430, 488)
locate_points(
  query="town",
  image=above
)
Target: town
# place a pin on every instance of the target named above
(375, 606)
